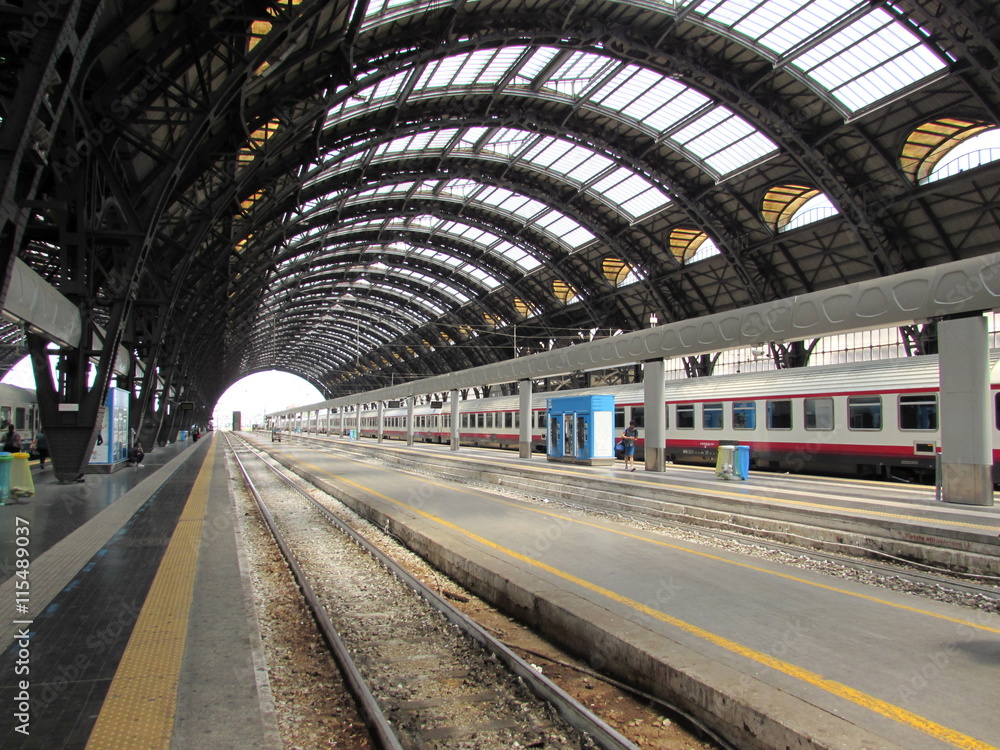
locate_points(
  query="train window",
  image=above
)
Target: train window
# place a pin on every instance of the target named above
(818, 413)
(517, 420)
(918, 412)
(711, 415)
(745, 415)
(480, 420)
(779, 415)
(465, 420)
(864, 412)
(19, 421)
(4, 416)
(541, 420)
(639, 416)
(685, 416)
(619, 418)
(508, 419)
(666, 417)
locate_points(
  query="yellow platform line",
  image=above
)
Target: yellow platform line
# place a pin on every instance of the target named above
(838, 689)
(139, 709)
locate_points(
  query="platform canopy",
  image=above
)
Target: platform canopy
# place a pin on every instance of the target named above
(364, 193)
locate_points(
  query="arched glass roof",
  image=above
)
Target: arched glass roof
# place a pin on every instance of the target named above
(855, 54)
(708, 133)
(617, 186)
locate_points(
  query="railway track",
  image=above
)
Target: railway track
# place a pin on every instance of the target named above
(423, 674)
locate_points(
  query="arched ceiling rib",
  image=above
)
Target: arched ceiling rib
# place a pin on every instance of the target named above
(337, 189)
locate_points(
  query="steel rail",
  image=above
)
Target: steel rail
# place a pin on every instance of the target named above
(573, 712)
(369, 708)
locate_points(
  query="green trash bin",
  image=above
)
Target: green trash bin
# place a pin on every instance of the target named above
(5, 462)
(21, 483)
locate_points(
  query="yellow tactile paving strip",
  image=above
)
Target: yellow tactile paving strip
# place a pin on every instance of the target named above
(139, 709)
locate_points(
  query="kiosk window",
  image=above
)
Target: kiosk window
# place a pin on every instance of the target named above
(918, 412)
(685, 416)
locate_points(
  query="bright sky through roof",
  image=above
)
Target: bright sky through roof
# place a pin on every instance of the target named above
(253, 396)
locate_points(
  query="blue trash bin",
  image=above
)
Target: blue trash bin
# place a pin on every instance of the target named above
(5, 463)
(741, 461)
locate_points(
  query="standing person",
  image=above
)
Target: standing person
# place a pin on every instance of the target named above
(628, 445)
(11, 440)
(41, 447)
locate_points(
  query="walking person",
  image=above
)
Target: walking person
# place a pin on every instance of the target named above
(40, 445)
(628, 445)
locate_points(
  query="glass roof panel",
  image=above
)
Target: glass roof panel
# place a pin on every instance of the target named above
(779, 26)
(869, 60)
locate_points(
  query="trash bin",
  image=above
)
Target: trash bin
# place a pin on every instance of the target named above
(182, 436)
(724, 461)
(5, 462)
(353, 434)
(21, 483)
(741, 464)
(733, 461)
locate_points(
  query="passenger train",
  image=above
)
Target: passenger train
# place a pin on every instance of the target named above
(865, 419)
(20, 407)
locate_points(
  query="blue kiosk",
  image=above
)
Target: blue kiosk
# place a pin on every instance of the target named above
(581, 430)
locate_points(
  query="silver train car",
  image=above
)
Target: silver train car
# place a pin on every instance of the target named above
(865, 419)
(18, 406)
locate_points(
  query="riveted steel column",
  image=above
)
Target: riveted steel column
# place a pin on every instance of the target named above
(655, 396)
(409, 420)
(524, 435)
(454, 419)
(966, 450)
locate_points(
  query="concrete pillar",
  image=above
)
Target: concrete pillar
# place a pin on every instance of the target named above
(381, 420)
(341, 420)
(357, 420)
(966, 450)
(455, 419)
(409, 420)
(524, 436)
(655, 395)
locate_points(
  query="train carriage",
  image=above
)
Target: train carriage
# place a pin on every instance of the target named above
(876, 418)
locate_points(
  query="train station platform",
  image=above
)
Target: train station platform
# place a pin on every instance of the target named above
(135, 627)
(766, 654)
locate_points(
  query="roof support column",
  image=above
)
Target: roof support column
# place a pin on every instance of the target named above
(655, 396)
(381, 420)
(409, 420)
(966, 452)
(357, 421)
(524, 434)
(455, 417)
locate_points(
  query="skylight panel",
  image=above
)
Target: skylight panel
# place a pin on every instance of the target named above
(779, 26)
(515, 255)
(486, 279)
(566, 229)
(534, 65)
(579, 73)
(869, 60)
(724, 141)
(631, 192)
